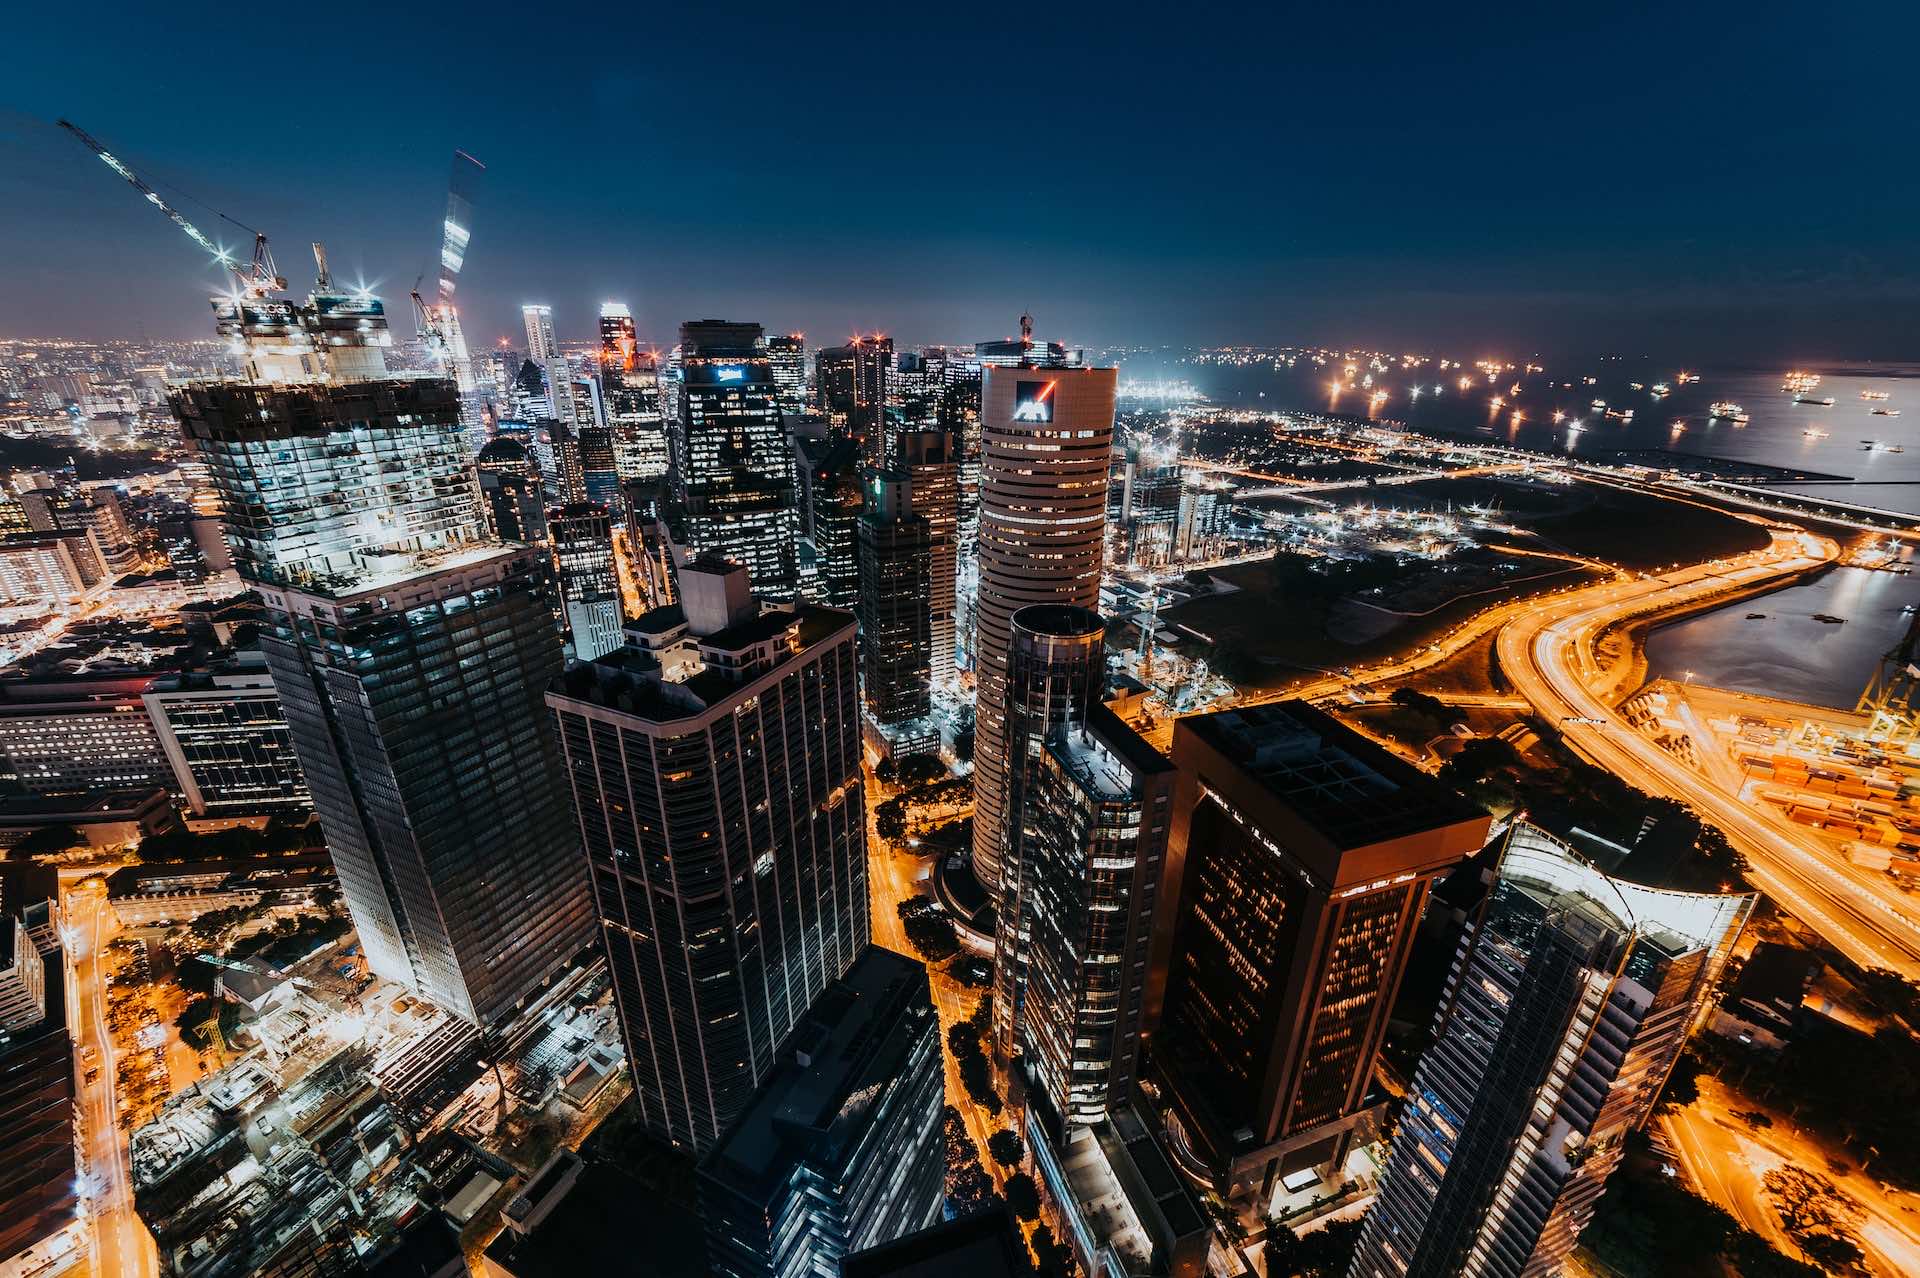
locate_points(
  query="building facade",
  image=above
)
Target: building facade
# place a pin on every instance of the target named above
(842, 1148)
(930, 463)
(414, 702)
(714, 766)
(731, 463)
(1048, 436)
(76, 737)
(1304, 855)
(1101, 808)
(1568, 1003)
(228, 741)
(895, 560)
(1055, 671)
(582, 536)
(39, 1194)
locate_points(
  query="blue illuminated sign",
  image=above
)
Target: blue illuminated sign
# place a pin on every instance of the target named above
(730, 373)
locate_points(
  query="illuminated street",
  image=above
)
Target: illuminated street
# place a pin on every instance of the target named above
(122, 1245)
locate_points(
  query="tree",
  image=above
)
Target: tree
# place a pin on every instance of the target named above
(887, 771)
(1422, 703)
(963, 745)
(1023, 1196)
(890, 819)
(1328, 1251)
(1006, 1147)
(1891, 992)
(192, 1022)
(48, 840)
(1282, 1252)
(1683, 1084)
(1055, 1257)
(969, 1188)
(922, 769)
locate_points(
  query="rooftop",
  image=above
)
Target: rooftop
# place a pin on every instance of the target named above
(1347, 788)
(984, 1245)
(631, 679)
(853, 1039)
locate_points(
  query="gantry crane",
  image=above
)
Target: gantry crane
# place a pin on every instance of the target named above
(1887, 700)
(256, 280)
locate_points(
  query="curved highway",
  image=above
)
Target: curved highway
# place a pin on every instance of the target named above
(1548, 654)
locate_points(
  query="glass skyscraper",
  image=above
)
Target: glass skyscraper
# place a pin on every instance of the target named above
(1569, 1000)
(714, 766)
(410, 653)
(732, 475)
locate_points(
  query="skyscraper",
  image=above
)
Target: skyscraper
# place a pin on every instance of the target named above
(582, 536)
(833, 380)
(1048, 436)
(410, 654)
(896, 641)
(842, 1149)
(1100, 806)
(715, 772)
(1568, 1002)
(38, 1179)
(872, 372)
(619, 346)
(544, 352)
(1304, 854)
(1055, 670)
(834, 496)
(511, 492)
(732, 466)
(787, 353)
(927, 459)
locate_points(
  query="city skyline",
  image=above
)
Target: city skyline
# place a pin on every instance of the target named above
(1210, 183)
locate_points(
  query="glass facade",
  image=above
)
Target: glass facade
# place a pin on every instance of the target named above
(415, 711)
(843, 1147)
(1567, 1005)
(731, 463)
(312, 479)
(719, 800)
(896, 637)
(1101, 804)
(582, 536)
(229, 742)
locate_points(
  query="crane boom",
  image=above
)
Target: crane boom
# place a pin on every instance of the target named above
(257, 279)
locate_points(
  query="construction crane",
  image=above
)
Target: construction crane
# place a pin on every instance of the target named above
(439, 322)
(256, 280)
(1887, 700)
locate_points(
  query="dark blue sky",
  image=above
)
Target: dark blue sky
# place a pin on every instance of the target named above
(1706, 182)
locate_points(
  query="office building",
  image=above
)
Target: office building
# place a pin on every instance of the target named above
(544, 352)
(76, 737)
(896, 642)
(833, 385)
(1048, 435)
(1099, 804)
(619, 345)
(510, 491)
(447, 828)
(582, 536)
(787, 353)
(312, 479)
(714, 765)
(928, 460)
(1056, 669)
(39, 1183)
(599, 469)
(1304, 855)
(1568, 1002)
(54, 570)
(227, 739)
(843, 1148)
(633, 413)
(872, 373)
(410, 654)
(731, 471)
(832, 497)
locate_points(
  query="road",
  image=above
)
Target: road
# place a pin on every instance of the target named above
(1548, 654)
(893, 875)
(1725, 1159)
(122, 1247)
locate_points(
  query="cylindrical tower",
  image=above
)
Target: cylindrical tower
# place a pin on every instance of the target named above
(1046, 443)
(1056, 660)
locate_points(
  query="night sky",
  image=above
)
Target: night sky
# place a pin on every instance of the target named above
(1733, 183)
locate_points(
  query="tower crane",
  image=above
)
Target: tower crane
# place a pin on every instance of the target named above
(256, 280)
